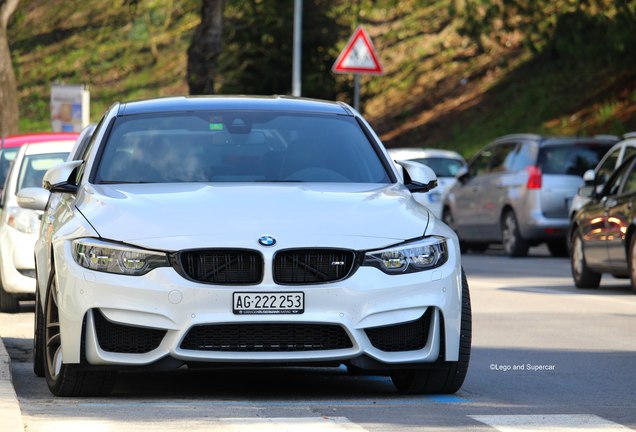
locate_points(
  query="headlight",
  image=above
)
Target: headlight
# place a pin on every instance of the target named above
(24, 220)
(116, 258)
(420, 255)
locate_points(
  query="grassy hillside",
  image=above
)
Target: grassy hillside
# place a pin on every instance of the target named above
(440, 89)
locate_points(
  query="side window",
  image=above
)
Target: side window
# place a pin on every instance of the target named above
(614, 184)
(630, 182)
(479, 165)
(608, 167)
(502, 157)
(629, 151)
(525, 156)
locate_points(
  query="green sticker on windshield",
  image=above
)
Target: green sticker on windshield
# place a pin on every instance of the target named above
(216, 123)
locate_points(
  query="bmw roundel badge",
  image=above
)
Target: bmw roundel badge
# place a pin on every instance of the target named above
(267, 240)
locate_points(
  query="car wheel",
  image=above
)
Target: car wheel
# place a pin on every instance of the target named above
(558, 248)
(514, 245)
(441, 377)
(38, 337)
(632, 262)
(67, 379)
(8, 302)
(583, 276)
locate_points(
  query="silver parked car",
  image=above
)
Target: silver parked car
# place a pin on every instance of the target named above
(518, 189)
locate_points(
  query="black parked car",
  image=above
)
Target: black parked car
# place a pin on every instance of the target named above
(603, 239)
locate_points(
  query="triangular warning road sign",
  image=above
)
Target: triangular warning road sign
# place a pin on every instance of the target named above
(358, 56)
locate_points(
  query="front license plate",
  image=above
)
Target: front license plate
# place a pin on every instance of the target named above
(244, 303)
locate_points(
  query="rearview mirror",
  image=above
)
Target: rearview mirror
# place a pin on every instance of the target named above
(58, 178)
(33, 198)
(418, 177)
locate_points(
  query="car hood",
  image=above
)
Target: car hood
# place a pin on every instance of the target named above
(190, 215)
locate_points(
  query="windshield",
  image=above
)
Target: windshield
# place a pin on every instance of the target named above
(443, 167)
(238, 146)
(34, 166)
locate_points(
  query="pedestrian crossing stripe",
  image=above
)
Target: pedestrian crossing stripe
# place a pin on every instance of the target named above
(550, 423)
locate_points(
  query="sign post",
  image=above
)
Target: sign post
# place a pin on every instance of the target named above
(358, 57)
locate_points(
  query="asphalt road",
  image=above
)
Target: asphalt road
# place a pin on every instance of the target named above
(544, 355)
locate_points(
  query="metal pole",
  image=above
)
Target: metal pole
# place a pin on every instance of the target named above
(298, 19)
(356, 92)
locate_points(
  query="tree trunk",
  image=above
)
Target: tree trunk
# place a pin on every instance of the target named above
(204, 50)
(9, 114)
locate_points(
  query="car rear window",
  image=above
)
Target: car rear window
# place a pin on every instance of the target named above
(239, 146)
(570, 159)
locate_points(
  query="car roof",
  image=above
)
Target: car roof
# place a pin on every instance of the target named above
(628, 142)
(61, 146)
(242, 103)
(560, 140)
(32, 138)
(412, 153)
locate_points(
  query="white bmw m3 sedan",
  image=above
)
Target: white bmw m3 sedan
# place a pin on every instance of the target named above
(215, 231)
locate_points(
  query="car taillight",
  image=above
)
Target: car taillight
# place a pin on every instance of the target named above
(534, 177)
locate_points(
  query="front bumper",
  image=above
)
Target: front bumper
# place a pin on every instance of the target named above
(17, 265)
(537, 227)
(164, 301)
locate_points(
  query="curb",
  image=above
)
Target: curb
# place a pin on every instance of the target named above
(10, 415)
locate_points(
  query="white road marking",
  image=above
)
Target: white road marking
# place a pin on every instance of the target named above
(289, 424)
(550, 423)
(246, 424)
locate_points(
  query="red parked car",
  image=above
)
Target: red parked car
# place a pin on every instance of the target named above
(9, 147)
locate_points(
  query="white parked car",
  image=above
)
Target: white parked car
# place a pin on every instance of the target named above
(216, 231)
(18, 226)
(444, 163)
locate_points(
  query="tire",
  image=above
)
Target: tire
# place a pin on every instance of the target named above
(558, 248)
(632, 263)
(8, 302)
(38, 338)
(68, 379)
(514, 245)
(442, 377)
(583, 276)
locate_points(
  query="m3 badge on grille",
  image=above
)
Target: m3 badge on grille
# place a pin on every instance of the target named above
(266, 240)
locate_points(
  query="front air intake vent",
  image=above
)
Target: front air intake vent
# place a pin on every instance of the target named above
(312, 266)
(266, 338)
(120, 338)
(409, 336)
(221, 266)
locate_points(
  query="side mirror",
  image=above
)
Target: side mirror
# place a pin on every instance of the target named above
(589, 177)
(33, 198)
(462, 174)
(418, 177)
(58, 178)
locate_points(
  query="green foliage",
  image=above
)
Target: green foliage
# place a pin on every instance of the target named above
(567, 27)
(257, 58)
